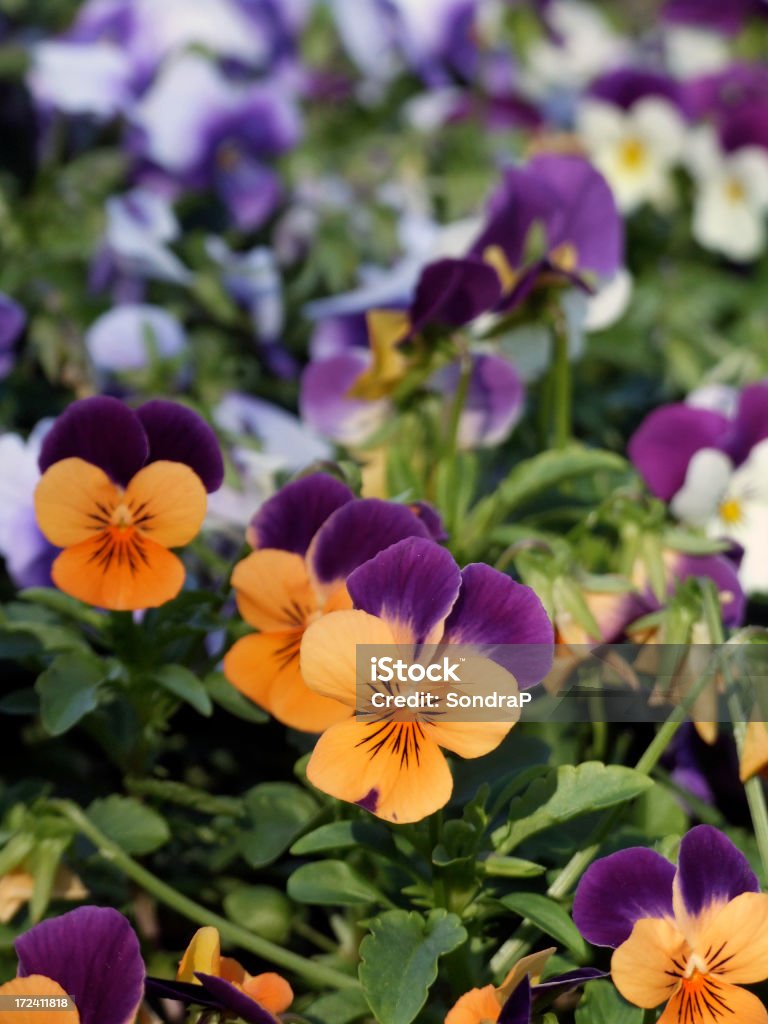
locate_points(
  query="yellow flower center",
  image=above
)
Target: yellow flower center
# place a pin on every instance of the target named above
(122, 517)
(735, 191)
(564, 257)
(731, 512)
(632, 155)
(495, 256)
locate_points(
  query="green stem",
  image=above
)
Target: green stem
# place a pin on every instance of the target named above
(562, 414)
(309, 970)
(460, 398)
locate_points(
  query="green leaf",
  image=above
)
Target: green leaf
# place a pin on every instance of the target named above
(399, 961)
(510, 867)
(339, 1008)
(44, 865)
(68, 690)
(538, 474)
(331, 883)
(279, 812)
(186, 686)
(223, 693)
(602, 1004)
(567, 792)
(343, 835)
(261, 909)
(57, 601)
(138, 829)
(549, 917)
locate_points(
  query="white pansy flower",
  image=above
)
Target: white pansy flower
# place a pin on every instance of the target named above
(635, 149)
(731, 503)
(732, 197)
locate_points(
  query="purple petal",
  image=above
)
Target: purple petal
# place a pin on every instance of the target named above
(626, 86)
(726, 18)
(745, 125)
(358, 531)
(517, 1009)
(178, 434)
(231, 998)
(586, 215)
(521, 200)
(711, 869)
(663, 444)
(493, 610)
(335, 335)
(722, 572)
(250, 192)
(568, 981)
(454, 292)
(93, 953)
(102, 431)
(291, 518)
(413, 583)
(431, 519)
(618, 890)
(751, 422)
(12, 321)
(181, 991)
(494, 401)
(324, 403)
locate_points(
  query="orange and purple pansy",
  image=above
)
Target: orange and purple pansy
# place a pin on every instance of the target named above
(413, 593)
(308, 538)
(90, 954)
(208, 979)
(688, 937)
(119, 488)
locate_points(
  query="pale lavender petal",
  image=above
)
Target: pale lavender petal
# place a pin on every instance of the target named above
(412, 584)
(178, 434)
(93, 953)
(494, 399)
(325, 404)
(250, 191)
(291, 518)
(99, 430)
(12, 321)
(358, 531)
(663, 444)
(711, 869)
(126, 337)
(506, 619)
(618, 890)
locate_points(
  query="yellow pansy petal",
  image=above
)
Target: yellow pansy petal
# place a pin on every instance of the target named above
(273, 590)
(329, 652)
(202, 954)
(167, 501)
(477, 1006)
(735, 940)
(754, 754)
(394, 770)
(706, 1000)
(74, 500)
(640, 966)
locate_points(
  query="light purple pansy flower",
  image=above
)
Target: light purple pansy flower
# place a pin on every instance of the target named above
(108, 434)
(325, 403)
(665, 442)
(619, 890)
(28, 555)
(571, 201)
(94, 955)
(13, 320)
(129, 337)
(494, 399)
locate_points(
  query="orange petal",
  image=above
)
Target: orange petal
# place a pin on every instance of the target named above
(74, 500)
(265, 667)
(16, 889)
(273, 590)
(706, 1000)
(122, 573)
(232, 970)
(476, 1007)
(168, 503)
(329, 652)
(640, 966)
(202, 954)
(270, 991)
(738, 935)
(754, 754)
(469, 739)
(35, 985)
(394, 770)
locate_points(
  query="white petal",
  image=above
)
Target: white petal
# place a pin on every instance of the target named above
(661, 127)
(749, 166)
(81, 78)
(727, 224)
(600, 124)
(610, 302)
(703, 156)
(715, 397)
(707, 479)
